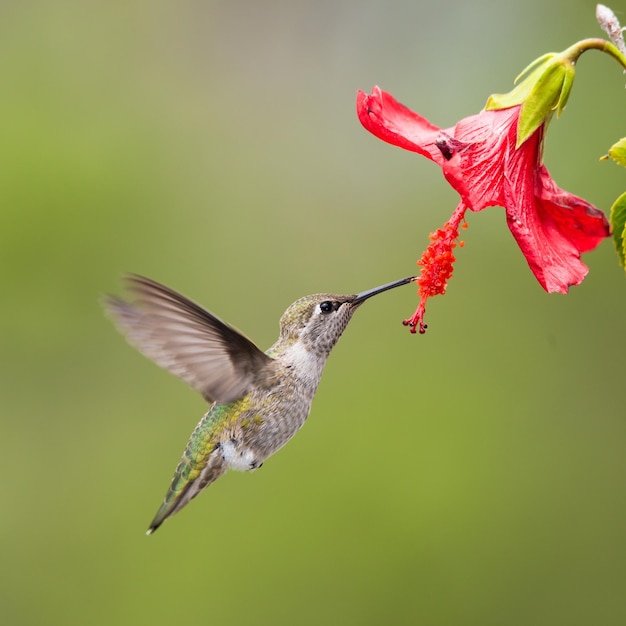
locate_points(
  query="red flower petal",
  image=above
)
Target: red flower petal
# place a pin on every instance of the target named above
(553, 231)
(480, 168)
(581, 222)
(391, 121)
(480, 160)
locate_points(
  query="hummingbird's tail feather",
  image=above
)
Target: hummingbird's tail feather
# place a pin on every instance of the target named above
(201, 464)
(188, 482)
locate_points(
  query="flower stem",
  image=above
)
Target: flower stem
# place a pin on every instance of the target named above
(573, 52)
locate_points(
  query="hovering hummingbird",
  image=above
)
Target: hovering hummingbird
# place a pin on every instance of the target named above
(259, 400)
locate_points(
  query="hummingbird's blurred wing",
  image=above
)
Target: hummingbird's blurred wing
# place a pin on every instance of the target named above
(214, 358)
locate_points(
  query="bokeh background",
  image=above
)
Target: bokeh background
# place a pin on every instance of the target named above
(474, 475)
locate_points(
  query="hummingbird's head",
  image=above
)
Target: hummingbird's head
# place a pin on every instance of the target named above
(319, 320)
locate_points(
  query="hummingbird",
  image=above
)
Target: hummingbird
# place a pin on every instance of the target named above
(258, 400)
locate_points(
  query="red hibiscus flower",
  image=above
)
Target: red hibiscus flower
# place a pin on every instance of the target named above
(480, 157)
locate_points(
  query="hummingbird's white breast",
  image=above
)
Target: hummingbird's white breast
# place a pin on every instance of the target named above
(305, 364)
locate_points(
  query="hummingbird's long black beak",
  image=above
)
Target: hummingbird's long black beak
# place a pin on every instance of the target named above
(364, 295)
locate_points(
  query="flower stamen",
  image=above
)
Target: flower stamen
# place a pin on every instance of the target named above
(437, 263)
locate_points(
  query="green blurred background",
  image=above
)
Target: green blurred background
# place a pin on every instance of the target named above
(475, 475)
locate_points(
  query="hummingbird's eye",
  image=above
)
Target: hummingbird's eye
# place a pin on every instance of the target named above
(326, 306)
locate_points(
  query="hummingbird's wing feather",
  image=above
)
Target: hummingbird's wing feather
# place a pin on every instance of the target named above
(214, 358)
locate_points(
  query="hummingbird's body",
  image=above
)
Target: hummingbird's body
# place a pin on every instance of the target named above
(259, 400)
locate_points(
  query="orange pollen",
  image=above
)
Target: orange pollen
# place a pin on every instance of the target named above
(437, 263)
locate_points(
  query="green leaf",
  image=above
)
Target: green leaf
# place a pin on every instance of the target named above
(618, 152)
(618, 224)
